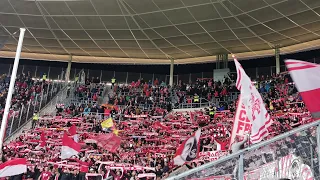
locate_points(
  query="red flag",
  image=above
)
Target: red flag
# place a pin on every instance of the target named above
(110, 142)
(43, 136)
(43, 139)
(307, 80)
(188, 150)
(69, 147)
(13, 167)
(72, 130)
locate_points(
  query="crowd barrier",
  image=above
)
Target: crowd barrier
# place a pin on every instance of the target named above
(292, 155)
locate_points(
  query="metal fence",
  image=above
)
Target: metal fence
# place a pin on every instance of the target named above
(127, 77)
(44, 103)
(23, 112)
(292, 155)
(124, 77)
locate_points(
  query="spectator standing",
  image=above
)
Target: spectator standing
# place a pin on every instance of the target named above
(35, 119)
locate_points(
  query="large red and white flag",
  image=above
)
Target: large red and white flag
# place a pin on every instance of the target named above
(69, 147)
(254, 105)
(306, 77)
(72, 130)
(241, 124)
(13, 167)
(188, 150)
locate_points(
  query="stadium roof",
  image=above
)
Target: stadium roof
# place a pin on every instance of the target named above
(152, 31)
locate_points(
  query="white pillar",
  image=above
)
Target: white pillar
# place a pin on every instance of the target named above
(11, 87)
(10, 69)
(171, 72)
(127, 77)
(35, 72)
(100, 76)
(67, 78)
(277, 54)
(48, 74)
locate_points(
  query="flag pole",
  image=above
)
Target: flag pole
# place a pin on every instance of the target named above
(11, 87)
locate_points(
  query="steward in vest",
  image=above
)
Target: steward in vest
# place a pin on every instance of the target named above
(113, 81)
(35, 119)
(196, 98)
(44, 77)
(212, 112)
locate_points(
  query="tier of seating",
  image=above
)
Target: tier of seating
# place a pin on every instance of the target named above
(29, 94)
(149, 133)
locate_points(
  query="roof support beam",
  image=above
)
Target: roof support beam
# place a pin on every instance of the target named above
(277, 55)
(171, 72)
(68, 69)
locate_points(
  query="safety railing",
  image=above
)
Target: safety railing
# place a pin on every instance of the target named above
(22, 113)
(192, 104)
(292, 155)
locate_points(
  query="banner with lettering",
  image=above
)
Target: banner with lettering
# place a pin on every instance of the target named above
(242, 124)
(211, 155)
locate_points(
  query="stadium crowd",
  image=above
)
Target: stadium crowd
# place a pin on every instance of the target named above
(28, 92)
(149, 134)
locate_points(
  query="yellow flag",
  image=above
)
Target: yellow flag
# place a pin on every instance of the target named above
(107, 123)
(116, 132)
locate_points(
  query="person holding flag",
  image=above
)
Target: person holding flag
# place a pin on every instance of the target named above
(250, 110)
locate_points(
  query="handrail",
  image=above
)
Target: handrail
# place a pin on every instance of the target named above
(52, 101)
(253, 147)
(202, 103)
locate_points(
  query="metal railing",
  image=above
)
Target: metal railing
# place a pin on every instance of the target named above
(22, 115)
(126, 77)
(293, 155)
(44, 103)
(202, 103)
